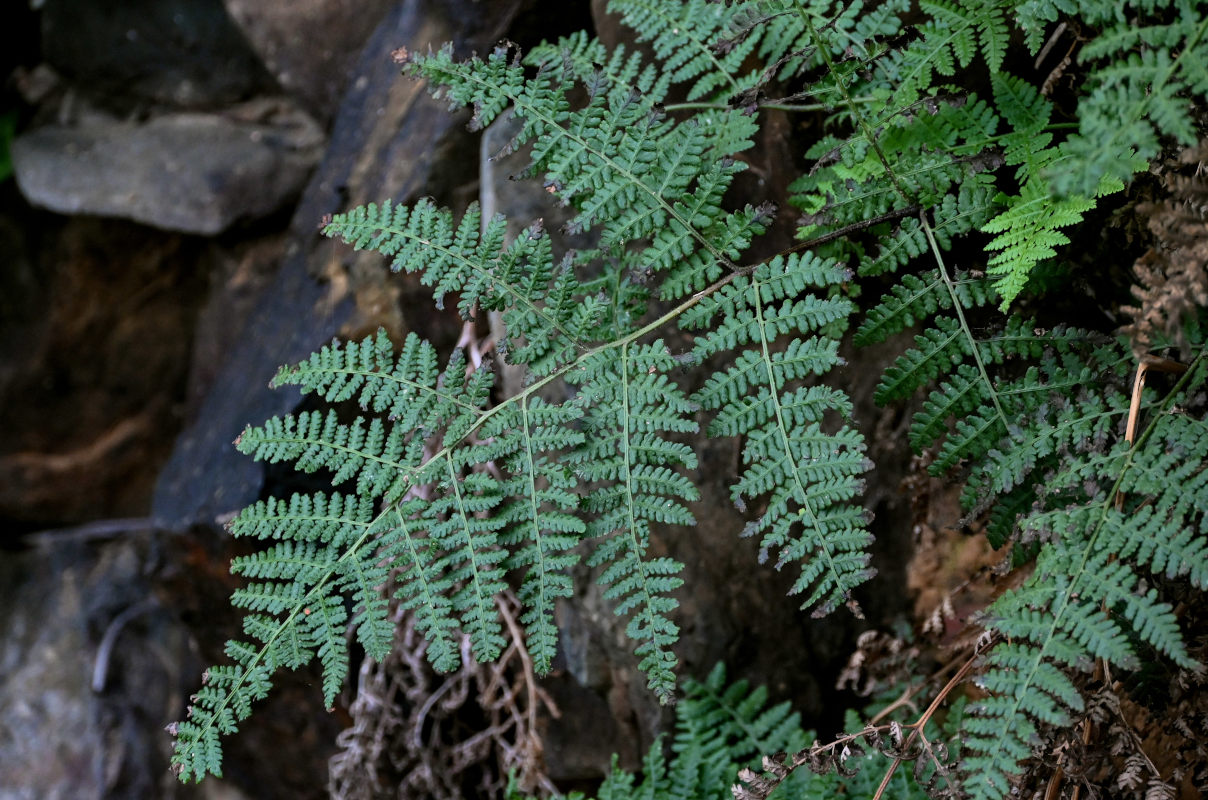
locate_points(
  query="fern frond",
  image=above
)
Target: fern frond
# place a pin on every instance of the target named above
(809, 477)
(787, 45)
(972, 27)
(937, 350)
(597, 67)
(914, 299)
(685, 37)
(623, 164)
(630, 406)
(540, 529)
(546, 319)
(1028, 233)
(720, 728)
(298, 613)
(313, 441)
(1104, 519)
(1142, 92)
(950, 40)
(715, 704)
(954, 215)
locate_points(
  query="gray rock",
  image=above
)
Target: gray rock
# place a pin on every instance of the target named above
(187, 53)
(190, 172)
(91, 672)
(389, 140)
(310, 46)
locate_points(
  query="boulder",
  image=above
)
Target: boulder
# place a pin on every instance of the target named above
(191, 172)
(186, 53)
(310, 46)
(91, 672)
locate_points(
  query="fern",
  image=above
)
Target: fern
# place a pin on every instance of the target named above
(631, 403)
(1099, 553)
(721, 731)
(453, 493)
(1144, 71)
(685, 39)
(444, 492)
(811, 476)
(720, 728)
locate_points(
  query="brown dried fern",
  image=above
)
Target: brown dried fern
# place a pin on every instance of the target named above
(1172, 277)
(420, 734)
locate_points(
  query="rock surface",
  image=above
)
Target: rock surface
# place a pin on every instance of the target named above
(90, 671)
(310, 46)
(190, 172)
(390, 140)
(185, 53)
(97, 319)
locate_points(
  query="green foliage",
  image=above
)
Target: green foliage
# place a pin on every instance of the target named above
(454, 490)
(810, 477)
(8, 128)
(444, 491)
(1142, 74)
(720, 728)
(724, 728)
(1113, 521)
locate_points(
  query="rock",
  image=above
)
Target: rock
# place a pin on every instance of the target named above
(389, 140)
(190, 172)
(310, 46)
(186, 53)
(83, 710)
(94, 344)
(102, 641)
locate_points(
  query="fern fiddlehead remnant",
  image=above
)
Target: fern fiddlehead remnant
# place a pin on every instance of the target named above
(455, 491)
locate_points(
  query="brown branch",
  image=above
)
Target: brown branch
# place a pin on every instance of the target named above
(917, 726)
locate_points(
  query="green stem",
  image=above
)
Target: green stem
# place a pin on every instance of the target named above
(724, 106)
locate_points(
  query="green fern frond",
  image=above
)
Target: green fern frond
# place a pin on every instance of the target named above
(937, 350)
(954, 215)
(545, 317)
(953, 36)
(916, 298)
(444, 491)
(787, 45)
(1103, 519)
(622, 163)
(1029, 232)
(724, 726)
(1152, 70)
(1034, 16)
(971, 28)
(720, 728)
(630, 405)
(809, 477)
(685, 37)
(1029, 229)
(291, 585)
(540, 527)
(597, 67)
(313, 441)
